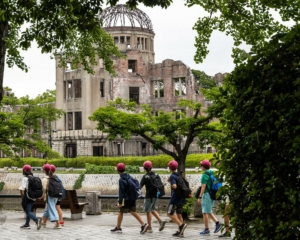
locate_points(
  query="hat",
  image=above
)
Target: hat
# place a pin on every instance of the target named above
(205, 163)
(121, 167)
(47, 167)
(147, 164)
(52, 168)
(26, 168)
(173, 165)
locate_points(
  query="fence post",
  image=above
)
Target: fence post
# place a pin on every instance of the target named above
(94, 207)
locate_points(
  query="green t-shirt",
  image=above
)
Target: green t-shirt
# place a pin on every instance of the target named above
(205, 179)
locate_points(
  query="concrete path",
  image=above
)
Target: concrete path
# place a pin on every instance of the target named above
(97, 227)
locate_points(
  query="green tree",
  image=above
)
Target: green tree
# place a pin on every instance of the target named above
(260, 156)
(70, 28)
(20, 123)
(122, 118)
(203, 80)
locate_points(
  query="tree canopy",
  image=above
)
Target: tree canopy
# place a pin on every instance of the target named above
(122, 118)
(21, 123)
(258, 106)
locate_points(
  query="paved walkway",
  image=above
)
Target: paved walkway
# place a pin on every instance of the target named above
(96, 227)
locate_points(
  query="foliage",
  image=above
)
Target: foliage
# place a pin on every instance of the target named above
(2, 185)
(252, 22)
(203, 80)
(159, 161)
(122, 118)
(188, 207)
(260, 151)
(79, 180)
(20, 123)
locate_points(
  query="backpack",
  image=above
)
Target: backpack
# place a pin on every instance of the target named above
(54, 188)
(155, 188)
(64, 193)
(215, 185)
(183, 188)
(198, 191)
(134, 188)
(35, 187)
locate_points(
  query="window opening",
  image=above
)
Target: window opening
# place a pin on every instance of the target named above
(179, 87)
(77, 88)
(65, 89)
(116, 40)
(101, 87)
(131, 65)
(146, 43)
(122, 39)
(71, 151)
(128, 42)
(70, 121)
(78, 120)
(158, 88)
(70, 88)
(97, 150)
(134, 94)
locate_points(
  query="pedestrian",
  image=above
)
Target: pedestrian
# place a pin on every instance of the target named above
(176, 203)
(50, 209)
(226, 219)
(205, 200)
(151, 198)
(57, 206)
(28, 202)
(124, 203)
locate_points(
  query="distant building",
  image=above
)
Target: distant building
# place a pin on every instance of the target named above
(138, 78)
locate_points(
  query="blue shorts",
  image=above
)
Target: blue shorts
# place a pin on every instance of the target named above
(207, 203)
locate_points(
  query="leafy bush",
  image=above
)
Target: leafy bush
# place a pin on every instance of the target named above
(2, 185)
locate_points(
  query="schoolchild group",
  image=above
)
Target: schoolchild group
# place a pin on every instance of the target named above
(127, 204)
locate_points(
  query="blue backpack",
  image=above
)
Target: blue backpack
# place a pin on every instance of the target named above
(134, 188)
(215, 185)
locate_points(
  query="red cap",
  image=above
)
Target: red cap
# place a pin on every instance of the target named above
(205, 163)
(120, 167)
(52, 168)
(47, 167)
(147, 164)
(173, 165)
(26, 167)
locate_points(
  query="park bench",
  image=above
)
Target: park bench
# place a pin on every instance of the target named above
(69, 202)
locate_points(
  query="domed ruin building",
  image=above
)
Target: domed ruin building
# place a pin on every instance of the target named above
(138, 78)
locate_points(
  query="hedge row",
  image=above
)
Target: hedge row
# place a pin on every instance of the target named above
(159, 161)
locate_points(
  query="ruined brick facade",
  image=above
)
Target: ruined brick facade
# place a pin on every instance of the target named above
(138, 78)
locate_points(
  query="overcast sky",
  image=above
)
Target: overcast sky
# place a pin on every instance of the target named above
(174, 39)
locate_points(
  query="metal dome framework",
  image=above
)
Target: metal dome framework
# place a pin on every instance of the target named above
(114, 16)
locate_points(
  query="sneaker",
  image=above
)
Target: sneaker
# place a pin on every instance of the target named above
(62, 223)
(144, 228)
(25, 226)
(225, 234)
(205, 232)
(149, 230)
(116, 230)
(43, 224)
(218, 227)
(57, 226)
(181, 228)
(177, 234)
(39, 224)
(162, 225)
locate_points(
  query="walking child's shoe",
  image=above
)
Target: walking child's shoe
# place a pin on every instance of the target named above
(144, 228)
(38, 224)
(205, 232)
(162, 225)
(62, 223)
(224, 235)
(177, 234)
(25, 226)
(116, 230)
(181, 228)
(57, 226)
(149, 230)
(218, 227)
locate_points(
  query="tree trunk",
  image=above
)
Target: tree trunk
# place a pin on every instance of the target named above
(3, 35)
(181, 164)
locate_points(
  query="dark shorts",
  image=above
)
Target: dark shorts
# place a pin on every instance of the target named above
(57, 203)
(172, 208)
(128, 207)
